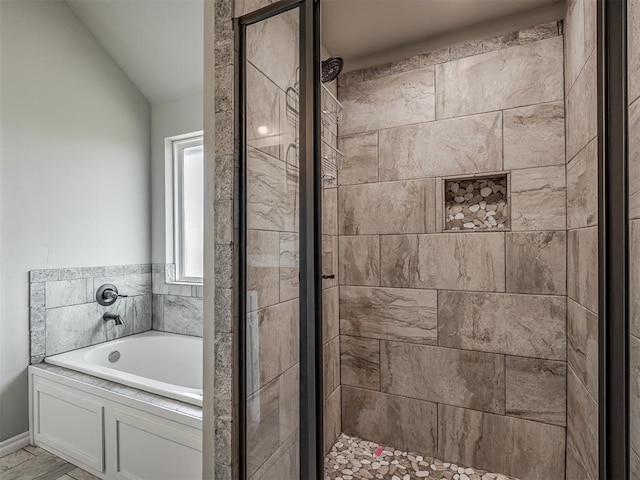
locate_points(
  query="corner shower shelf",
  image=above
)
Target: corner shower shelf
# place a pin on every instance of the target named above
(330, 118)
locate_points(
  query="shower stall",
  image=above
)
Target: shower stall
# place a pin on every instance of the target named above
(407, 278)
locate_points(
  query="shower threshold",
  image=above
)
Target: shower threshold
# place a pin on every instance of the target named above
(353, 458)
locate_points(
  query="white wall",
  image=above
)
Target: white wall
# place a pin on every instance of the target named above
(74, 170)
(174, 117)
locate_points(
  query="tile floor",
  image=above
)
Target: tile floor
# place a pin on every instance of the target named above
(33, 463)
(352, 458)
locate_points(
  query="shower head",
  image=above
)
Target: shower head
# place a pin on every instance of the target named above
(331, 68)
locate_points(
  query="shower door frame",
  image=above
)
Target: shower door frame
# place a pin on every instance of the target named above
(613, 241)
(310, 234)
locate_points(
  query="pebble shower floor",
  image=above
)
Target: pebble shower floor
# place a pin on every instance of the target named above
(352, 458)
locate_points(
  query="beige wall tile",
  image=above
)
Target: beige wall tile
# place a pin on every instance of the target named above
(582, 109)
(405, 98)
(582, 267)
(405, 423)
(389, 313)
(582, 345)
(360, 362)
(443, 375)
(536, 262)
(408, 206)
(534, 136)
(330, 260)
(360, 260)
(582, 188)
(634, 160)
(458, 261)
(536, 389)
(330, 314)
(486, 322)
(263, 269)
(634, 401)
(332, 420)
(449, 147)
(582, 426)
(501, 444)
(580, 37)
(360, 159)
(508, 78)
(273, 334)
(330, 211)
(331, 370)
(289, 267)
(538, 199)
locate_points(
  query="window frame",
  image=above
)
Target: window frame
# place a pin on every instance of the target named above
(174, 148)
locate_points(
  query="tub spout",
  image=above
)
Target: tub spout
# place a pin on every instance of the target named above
(112, 316)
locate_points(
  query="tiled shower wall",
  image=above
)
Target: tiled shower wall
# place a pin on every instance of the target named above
(582, 246)
(454, 344)
(633, 20)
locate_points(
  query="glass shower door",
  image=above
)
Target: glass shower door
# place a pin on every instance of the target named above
(276, 314)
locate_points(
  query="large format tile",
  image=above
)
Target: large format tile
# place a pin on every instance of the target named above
(582, 345)
(536, 262)
(331, 366)
(513, 446)
(272, 188)
(525, 325)
(330, 264)
(263, 269)
(330, 211)
(289, 269)
(135, 284)
(536, 389)
(443, 375)
(360, 159)
(389, 313)
(534, 136)
(634, 400)
(634, 160)
(634, 276)
(332, 418)
(582, 267)
(13, 459)
(449, 147)
(408, 206)
(360, 362)
(45, 466)
(405, 423)
(359, 260)
(405, 98)
(70, 292)
(330, 313)
(273, 336)
(580, 37)
(70, 328)
(582, 188)
(183, 315)
(538, 199)
(582, 426)
(508, 78)
(263, 112)
(582, 109)
(457, 261)
(271, 417)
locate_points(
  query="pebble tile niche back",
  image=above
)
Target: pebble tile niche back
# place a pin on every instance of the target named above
(477, 203)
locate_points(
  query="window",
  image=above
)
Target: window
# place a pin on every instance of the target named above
(188, 207)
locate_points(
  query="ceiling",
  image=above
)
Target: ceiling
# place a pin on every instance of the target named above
(363, 31)
(157, 43)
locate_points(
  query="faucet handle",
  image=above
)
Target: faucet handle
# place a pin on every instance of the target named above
(107, 295)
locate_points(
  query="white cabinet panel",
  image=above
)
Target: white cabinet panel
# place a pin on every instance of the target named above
(69, 423)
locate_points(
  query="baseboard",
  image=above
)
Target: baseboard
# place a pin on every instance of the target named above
(14, 444)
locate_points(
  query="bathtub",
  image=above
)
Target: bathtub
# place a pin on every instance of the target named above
(166, 364)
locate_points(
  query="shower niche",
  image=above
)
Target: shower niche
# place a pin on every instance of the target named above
(476, 203)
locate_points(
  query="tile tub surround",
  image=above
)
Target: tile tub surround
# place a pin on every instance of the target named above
(64, 314)
(582, 238)
(481, 315)
(177, 307)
